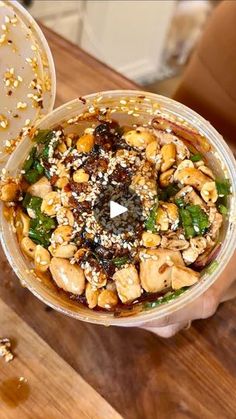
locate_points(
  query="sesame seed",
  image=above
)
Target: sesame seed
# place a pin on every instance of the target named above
(21, 105)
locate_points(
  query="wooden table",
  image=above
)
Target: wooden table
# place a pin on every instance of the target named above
(142, 376)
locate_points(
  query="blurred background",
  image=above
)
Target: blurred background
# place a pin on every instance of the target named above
(150, 42)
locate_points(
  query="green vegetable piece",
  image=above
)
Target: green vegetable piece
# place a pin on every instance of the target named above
(212, 267)
(26, 200)
(200, 219)
(47, 173)
(44, 155)
(168, 192)
(179, 202)
(118, 262)
(39, 237)
(150, 223)
(196, 157)
(222, 209)
(165, 299)
(39, 168)
(187, 223)
(47, 223)
(223, 187)
(189, 232)
(40, 227)
(28, 163)
(43, 136)
(31, 176)
(35, 203)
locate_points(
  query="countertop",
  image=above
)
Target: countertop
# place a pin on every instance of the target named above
(75, 369)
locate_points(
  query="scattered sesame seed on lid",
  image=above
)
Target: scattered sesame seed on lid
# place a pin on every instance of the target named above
(2, 38)
(21, 105)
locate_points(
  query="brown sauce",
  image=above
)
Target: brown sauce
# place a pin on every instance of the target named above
(14, 391)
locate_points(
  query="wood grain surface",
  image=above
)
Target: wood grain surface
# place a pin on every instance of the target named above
(192, 375)
(40, 384)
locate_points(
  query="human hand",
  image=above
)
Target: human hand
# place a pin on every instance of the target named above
(203, 307)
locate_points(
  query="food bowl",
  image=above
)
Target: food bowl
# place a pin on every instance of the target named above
(127, 107)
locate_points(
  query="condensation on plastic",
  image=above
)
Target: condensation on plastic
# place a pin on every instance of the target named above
(26, 53)
(223, 160)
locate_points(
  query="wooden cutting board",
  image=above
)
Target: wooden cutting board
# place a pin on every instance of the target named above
(38, 383)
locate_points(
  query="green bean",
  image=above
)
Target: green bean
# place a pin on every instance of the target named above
(120, 261)
(196, 157)
(179, 202)
(43, 136)
(200, 219)
(40, 237)
(26, 200)
(164, 299)
(30, 160)
(32, 176)
(40, 227)
(187, 223)
(150, 223)
(39, 168)
(223, 187)
(34, 203)
(222, 209)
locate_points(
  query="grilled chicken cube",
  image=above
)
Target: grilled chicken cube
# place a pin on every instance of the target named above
(156, 266)
(183, 277)
(127, 284)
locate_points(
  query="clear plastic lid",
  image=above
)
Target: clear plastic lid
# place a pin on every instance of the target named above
(27, 74)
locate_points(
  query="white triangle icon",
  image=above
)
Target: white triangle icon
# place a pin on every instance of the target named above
(116, 209)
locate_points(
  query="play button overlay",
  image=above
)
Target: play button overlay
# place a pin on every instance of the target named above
(116, 209)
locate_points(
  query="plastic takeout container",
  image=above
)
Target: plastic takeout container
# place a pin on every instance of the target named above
(128, 107)
(28, 81)
(220, 158)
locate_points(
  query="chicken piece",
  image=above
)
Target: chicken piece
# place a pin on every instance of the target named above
(96, 277)
(67, 276)
(156, 266)
(183, 277)
(40, 188)
(107, 299)
(197, 247)
(216, 220)
(190, 196)
(176, 244)
(91, 295)
(127, 284)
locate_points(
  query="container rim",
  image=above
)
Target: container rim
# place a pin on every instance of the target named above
(228, 245)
